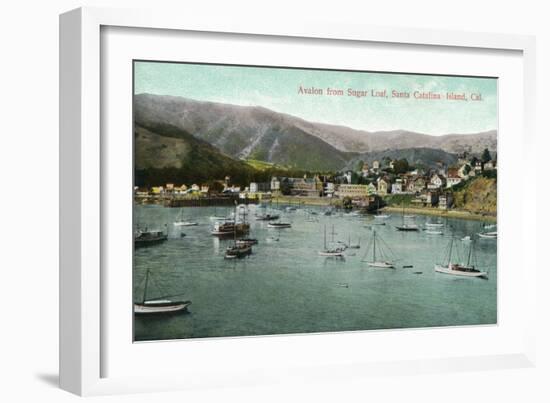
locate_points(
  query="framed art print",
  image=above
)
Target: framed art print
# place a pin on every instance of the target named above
(263, 203)
(273, 200)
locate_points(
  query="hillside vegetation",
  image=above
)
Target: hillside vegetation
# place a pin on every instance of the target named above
(478, 195)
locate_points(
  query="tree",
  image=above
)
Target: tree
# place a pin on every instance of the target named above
(401, 166)
(359, 166)
(486, 156)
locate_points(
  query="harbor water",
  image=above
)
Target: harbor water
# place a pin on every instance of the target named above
(285, 287)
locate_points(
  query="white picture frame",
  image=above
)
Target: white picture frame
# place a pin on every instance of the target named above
(83, 303)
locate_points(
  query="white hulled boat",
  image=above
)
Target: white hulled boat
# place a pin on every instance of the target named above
(337, 251)
(381, 254)
(160, 305)
(452, 265)
(183, 223)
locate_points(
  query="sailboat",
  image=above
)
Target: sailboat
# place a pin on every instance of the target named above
(158, 305)
(182, 223)
(331, 252)
(378, 214)
(406, 226)
(456, 268)
(381, 254)
(241, 247)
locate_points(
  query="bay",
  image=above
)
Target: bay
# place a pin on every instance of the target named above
(285, 287)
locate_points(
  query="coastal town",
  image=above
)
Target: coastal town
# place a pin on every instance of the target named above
(369, 187)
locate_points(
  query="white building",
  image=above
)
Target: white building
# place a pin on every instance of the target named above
(397, 186)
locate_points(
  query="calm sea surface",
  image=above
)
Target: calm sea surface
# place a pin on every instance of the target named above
(285, 287)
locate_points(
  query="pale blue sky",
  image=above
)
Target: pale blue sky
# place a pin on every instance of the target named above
(278, 89)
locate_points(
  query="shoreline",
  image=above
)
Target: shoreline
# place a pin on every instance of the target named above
(327, 202)
(466, 215)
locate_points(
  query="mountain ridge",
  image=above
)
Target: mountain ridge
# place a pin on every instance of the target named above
(256, 132)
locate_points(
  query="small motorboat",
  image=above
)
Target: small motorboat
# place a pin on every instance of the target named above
(433, 232)
(467, 238)
(246, 242)
(238, 251)
(407, 227)
(488, 235)
(147, 237)
(279, 225)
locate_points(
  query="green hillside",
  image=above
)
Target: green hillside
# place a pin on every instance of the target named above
(167, 154)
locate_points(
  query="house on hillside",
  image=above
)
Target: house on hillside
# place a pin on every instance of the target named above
(453, 177)
(382, 186)
(489, 166)
(416, 184)
(365, 170)
(397, 186)
(437, 181)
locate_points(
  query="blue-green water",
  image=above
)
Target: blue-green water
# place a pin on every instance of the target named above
(286, 287)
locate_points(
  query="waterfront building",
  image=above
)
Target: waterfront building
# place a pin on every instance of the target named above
(308, 187)
(329, 189)
(275, 184)
(260, 187)
(353, 191)
(231, 189)
(489, 166)
(382, 187)
(445, 200)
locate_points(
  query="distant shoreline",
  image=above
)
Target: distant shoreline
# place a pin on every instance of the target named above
(328, 202)
(442, 213)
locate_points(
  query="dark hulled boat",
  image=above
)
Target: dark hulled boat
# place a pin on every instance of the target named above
(149, 237)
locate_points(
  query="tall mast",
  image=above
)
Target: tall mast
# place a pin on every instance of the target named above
(374, 247)
(145, 287)
(325, 243)
(470, 252)
(235, 226)
(451, 251)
